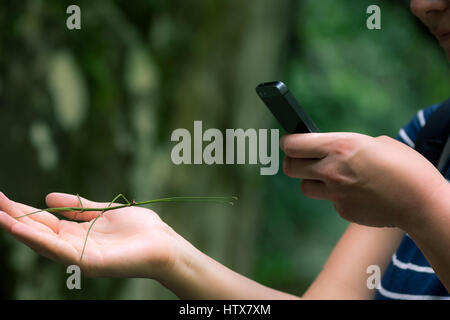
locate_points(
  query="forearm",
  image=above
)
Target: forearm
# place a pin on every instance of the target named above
(194, 275)
(432, 236)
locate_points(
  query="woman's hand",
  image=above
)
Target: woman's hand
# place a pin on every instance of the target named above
(127, 242)
(371, 181)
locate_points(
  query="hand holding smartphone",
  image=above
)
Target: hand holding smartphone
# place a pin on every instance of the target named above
(286, 109)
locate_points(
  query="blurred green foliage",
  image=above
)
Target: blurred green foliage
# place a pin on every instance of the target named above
(91, 112)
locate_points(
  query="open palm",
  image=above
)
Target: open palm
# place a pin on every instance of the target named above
(126, 242)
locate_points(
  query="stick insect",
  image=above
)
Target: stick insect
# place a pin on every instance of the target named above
(81, 208)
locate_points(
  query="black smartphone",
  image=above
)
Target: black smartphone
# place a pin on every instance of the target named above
(286, 109)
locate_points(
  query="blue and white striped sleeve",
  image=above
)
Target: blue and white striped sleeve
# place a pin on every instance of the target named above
(408, 134)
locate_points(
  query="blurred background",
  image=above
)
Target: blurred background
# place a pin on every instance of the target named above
(91, 111)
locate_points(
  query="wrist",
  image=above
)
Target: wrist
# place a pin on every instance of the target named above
(176, 270)
(161, 267)
(191, 274)
(435, 210)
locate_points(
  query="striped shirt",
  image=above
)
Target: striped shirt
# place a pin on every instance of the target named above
(409, 275)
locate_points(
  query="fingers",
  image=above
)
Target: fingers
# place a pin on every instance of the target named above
(307, 145)
(9, 206)
(309, 170)
(47, 244)
(42, 217)
(15, 211)
(302, 168)
(56, 200)
(314, 189)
